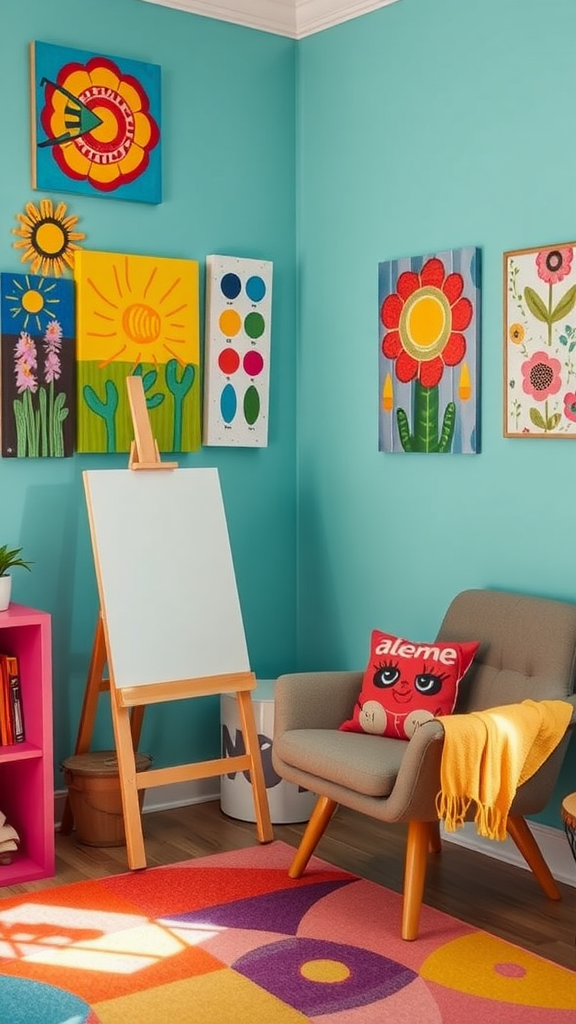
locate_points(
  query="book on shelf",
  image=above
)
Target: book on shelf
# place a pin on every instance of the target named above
(5, 717)
(16, 712)
(11, 712)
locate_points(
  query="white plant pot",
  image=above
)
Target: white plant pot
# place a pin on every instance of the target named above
(5, 590)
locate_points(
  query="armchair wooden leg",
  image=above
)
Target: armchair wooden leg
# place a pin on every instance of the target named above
(520, 833)
(435, 842)
(414, 876)
(323, 810)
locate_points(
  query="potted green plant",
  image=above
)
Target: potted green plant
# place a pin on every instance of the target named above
(9, 559)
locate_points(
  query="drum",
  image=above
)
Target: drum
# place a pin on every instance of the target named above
(569, 819)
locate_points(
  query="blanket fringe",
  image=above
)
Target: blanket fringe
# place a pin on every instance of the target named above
(488, 754)
(490, 822)
(452, 809)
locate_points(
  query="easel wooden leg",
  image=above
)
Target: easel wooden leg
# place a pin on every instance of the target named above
(121, 720)
(246, 713)
(136, 719)
(94, 686)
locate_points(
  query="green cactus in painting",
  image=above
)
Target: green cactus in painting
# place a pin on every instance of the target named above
(105, 408)
(179, 390)
(426, 409)
(59, 414)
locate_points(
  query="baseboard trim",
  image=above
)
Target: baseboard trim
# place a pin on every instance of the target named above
(159, 798)
(551, 841)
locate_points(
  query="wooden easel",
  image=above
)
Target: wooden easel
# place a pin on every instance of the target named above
(128, 702)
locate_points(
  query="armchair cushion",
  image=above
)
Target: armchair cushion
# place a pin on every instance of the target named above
(406, 684)
(359, 763)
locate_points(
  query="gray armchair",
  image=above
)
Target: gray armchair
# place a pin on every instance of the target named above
(527, 651)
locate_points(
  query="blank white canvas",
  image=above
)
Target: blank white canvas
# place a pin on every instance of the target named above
(165, 575)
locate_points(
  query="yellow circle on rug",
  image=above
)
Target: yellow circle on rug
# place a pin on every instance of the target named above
(327, 971)
(483, 965)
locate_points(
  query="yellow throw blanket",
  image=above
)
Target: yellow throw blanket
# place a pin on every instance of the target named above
(488, 754)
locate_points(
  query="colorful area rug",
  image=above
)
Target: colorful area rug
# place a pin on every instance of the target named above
(230, 938)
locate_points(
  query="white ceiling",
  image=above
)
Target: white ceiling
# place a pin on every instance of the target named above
(293, 18)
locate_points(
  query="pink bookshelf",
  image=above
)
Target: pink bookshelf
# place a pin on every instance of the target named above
(26, 769)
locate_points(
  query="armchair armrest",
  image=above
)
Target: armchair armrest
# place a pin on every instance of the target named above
(314, 700)
(417, 782)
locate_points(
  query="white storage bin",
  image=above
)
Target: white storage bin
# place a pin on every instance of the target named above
(287, 802)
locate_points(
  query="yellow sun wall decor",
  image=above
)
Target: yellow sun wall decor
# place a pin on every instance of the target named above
(137, 315)
(48, 237)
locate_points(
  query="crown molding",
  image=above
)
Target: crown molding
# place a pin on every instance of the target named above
(316, 15)
(292, 18)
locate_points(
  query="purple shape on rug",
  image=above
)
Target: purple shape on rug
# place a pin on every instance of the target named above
(272, 912)
(364, 977)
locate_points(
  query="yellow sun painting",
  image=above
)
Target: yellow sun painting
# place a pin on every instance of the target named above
(48, 237)
(33, 301)
(137, 315)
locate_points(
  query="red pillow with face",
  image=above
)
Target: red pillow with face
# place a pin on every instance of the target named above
(407, 683)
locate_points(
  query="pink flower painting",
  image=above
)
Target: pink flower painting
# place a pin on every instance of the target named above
(540, 342)
(38, 363)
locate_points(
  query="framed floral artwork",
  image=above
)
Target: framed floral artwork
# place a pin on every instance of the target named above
(429, 320)
(540, 342)
(95, 124)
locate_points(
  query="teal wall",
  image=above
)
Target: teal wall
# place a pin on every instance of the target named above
(229, 187)
(421, 127)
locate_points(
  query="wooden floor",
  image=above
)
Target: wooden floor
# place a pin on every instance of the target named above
(487, 893)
